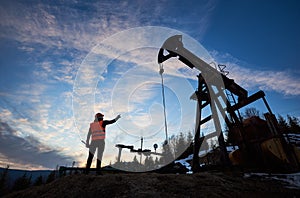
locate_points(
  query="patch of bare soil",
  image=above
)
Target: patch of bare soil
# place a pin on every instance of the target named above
(205, 184)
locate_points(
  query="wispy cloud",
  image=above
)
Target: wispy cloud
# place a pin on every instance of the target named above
(28, 150)
(67, 25)
(285, 82)
(279, 81)
(80, 26)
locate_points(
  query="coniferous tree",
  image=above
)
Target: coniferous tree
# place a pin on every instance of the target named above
(3, 181)
(51, 177)
(135, 165)
(230, 139)
(167, 154)
(180, 145)
(294, 125)
(156, 162)
(22, 183)
(189, 138)
(149, 163)
(282, 124)
(251, 111)
(38, 181)
(171, 146)
(135, 160)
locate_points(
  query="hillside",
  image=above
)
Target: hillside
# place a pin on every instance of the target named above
(14, 174)
(205, 184)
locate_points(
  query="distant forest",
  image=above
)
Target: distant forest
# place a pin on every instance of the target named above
(290, 124)
(23, 182)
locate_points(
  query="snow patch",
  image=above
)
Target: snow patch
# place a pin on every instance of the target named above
(290, 180)
(186, 164)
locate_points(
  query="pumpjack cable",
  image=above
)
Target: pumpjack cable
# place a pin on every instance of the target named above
(161, 71)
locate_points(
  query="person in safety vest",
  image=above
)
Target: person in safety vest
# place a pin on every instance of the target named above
(97, 131)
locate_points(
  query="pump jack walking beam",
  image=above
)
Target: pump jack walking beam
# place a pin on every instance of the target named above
(175, 48)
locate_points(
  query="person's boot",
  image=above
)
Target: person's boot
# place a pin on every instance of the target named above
(98, 167)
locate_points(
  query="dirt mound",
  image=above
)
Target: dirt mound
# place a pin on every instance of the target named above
(206, 184)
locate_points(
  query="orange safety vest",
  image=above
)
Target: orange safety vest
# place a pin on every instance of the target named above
(98, 132)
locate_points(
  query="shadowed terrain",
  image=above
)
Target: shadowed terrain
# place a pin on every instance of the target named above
(205, 184)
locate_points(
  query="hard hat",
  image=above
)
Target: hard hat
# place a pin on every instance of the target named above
(98, 115)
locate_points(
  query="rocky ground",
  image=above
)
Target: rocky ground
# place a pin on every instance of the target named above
(204, 184)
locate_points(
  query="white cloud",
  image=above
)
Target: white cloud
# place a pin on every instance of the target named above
(285, 82)
(26, 48)
(5, 113)
(64, 25)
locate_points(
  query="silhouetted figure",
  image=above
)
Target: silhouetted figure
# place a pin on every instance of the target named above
(97, 131)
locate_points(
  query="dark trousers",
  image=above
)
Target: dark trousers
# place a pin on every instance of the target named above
(99, 146)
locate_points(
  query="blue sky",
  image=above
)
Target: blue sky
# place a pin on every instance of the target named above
(46, 47)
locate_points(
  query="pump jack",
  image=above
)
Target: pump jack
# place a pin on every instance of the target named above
(214, 89)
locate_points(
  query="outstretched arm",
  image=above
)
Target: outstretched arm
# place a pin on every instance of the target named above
(106, 122)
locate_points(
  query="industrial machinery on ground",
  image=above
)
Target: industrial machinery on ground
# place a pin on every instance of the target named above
(260, 142)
